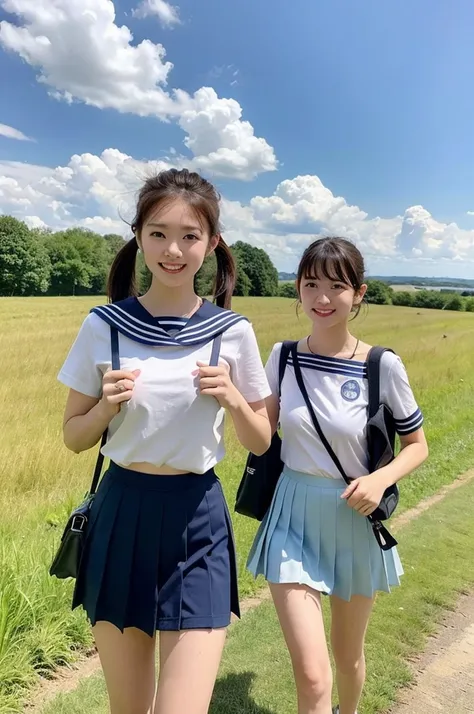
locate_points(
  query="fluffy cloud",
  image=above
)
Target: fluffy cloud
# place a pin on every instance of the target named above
(81, 54)
(10, 133)
(166, 13)
(97, 192)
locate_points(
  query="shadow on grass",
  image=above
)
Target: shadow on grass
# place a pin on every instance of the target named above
(232, 696)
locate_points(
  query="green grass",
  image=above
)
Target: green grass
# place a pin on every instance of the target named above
(41, 480)
(255, 675)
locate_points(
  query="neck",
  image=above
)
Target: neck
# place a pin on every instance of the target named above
(162, 300)
(331, 342)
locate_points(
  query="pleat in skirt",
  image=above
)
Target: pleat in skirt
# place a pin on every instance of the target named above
(313, 537)
(159, 553)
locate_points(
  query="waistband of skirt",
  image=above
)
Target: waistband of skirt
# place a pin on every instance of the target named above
(315, 481)
(159, 482)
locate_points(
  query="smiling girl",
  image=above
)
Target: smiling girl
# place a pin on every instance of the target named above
(159, 553)
(316, 537)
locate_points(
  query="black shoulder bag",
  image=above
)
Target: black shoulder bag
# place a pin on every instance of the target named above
(68, 557)
(379, 440)
(261, 473)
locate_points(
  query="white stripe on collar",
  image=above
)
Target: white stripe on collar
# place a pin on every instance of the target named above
(134, 321)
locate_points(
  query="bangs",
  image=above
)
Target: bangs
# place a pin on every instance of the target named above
(332, 268)
(155, 209)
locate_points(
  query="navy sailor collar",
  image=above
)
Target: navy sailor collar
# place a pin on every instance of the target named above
(134, 321)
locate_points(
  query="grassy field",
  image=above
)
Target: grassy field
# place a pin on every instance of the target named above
(40, 480)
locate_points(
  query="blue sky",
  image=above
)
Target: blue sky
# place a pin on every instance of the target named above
(312, 117)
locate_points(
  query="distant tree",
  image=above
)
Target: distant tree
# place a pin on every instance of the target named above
(455, 303)
(206, 276)
(259, 269)
(24, 263)
(80, 262)
(403, 297)
(114, 243)
(288, 290)
(430, 299)
(378, 292)
(470, 305)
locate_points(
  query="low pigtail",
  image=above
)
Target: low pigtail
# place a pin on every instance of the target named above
(226, 275)
(121, 283)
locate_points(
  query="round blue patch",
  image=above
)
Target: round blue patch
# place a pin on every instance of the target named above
(350, 390)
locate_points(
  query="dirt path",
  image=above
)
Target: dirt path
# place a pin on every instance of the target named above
(445, 672)
(67, 678)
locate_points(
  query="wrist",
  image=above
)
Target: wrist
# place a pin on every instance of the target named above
(106, 411)
(383, 476)
(236, 401)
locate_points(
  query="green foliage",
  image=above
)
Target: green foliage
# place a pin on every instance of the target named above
(403, 297)
(455, 303)
(261, 275)
(24, 262)
(288, 290)
(378, 292)
(206, 276)
(470, 305)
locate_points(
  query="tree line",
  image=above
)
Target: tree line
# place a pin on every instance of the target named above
(76, 261)
(380, 293)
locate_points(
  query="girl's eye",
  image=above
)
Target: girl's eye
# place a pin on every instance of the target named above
(310, 285)
(338, 286)
(157, 234)
(190, 236)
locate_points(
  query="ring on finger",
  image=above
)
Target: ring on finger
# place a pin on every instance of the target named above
(120, 387)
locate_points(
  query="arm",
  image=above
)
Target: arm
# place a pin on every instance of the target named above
(86, 418)
(251, 424)
(414, 451)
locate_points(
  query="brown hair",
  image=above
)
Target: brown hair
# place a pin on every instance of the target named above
(203, 198)
(335, 259)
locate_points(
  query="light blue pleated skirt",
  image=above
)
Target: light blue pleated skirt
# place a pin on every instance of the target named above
(312, 537)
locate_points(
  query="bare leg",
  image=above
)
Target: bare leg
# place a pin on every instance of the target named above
(189, 661)
(348, 628)
(128, 661)
(299, 611)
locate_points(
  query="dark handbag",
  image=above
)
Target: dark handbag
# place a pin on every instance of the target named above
(68, 557)
(381, 434)
(384, 538)
(261, 473)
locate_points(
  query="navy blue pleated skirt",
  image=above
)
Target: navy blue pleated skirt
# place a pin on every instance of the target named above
(159, 553)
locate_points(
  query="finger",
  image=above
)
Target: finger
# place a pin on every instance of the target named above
(118, 398)
(115, 374)
(350, 490)
(211, 383)
(356, 500)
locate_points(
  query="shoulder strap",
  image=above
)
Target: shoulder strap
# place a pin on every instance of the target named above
(373, 378)
(216, 349)
(284, 354)
(114, 344)
(304, 392)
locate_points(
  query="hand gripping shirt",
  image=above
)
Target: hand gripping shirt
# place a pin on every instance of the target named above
(167, 422)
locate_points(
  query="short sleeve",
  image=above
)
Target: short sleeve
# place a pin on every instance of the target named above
(248, 374)
(80, 371)
(398, 395)
(272, 367)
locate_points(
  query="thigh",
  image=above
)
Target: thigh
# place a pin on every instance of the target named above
(189, 661)
(128, 662)
(300, 614)
(349, 620)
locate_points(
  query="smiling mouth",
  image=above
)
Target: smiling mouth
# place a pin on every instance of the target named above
(171, 268)
(324, 313)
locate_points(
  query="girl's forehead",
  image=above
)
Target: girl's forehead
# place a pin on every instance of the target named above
(175, 212)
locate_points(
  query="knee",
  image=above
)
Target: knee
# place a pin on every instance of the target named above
(349, 663)
(314, 682)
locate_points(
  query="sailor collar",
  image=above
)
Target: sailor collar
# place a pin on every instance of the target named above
(131, 319)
